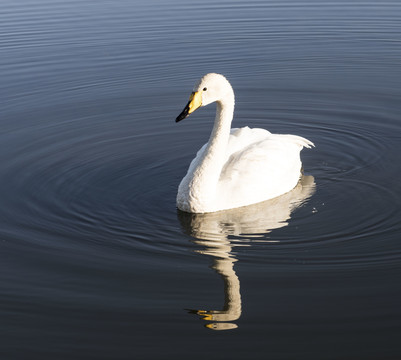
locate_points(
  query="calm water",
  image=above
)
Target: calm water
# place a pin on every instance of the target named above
(96, 262)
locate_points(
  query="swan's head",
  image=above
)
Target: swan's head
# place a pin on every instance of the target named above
(210, 88)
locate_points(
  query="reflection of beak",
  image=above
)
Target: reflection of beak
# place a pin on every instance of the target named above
(221, 326)
(195, 101)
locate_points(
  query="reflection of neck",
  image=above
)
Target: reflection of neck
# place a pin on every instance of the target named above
(223, 264)
(232, 295)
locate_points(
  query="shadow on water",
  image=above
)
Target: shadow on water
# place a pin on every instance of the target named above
(218, 233)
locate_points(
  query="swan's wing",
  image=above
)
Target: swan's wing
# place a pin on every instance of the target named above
(263, 169)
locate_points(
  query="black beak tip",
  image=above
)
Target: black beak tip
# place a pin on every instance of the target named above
(183, 115)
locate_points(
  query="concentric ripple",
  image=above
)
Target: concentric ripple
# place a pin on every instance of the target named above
(94, 182)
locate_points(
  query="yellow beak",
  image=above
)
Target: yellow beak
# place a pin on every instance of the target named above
(195, 101)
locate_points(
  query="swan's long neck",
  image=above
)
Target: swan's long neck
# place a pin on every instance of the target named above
(207, 174)
(215, 151)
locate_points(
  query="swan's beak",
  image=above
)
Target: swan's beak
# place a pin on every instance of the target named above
(195, 101)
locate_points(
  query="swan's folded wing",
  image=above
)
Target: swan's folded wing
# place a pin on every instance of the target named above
(264, 169)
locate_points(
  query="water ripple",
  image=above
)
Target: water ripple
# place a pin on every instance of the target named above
(92, 185)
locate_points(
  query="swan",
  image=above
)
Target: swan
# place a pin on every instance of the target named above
(236, 167)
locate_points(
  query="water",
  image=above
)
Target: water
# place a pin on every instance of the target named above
(97, 263)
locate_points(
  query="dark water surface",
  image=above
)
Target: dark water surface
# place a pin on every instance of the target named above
(96, 262)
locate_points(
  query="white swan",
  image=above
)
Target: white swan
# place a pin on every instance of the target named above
(236, 167)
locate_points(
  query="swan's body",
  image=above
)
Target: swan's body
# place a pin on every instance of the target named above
(237, 167)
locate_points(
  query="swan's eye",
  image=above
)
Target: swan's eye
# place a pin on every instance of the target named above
(204, 89)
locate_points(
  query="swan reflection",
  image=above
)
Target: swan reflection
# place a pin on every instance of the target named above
(212, 231)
